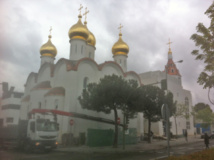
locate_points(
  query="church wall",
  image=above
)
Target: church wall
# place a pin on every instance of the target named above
(37, 98)
(31, 82)
(179, 94)
(63, 78)
(47, 59)
(90, 51)
(140, 125)
(77, 49)
(111, 69)
(122, 61)
(44, 74)
(56, 102)
(87, 73)
(60, 76)
(156, 127)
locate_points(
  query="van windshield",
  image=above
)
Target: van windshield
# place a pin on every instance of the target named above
(46, 125)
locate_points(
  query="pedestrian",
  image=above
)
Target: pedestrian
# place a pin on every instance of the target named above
(151, 135)
(206, 140)
(186, 135)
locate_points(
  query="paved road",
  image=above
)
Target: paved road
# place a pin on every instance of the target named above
(141, 155)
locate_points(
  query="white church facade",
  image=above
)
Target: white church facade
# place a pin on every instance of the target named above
(57, 85)
(182, 96)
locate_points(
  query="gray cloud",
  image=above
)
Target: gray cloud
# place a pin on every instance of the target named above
(147, 26)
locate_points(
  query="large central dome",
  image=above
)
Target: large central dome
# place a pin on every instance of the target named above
(78, 31)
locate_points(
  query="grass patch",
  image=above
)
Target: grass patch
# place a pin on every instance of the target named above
(207, 154)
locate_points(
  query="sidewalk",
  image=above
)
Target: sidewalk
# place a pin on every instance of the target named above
(139, 147)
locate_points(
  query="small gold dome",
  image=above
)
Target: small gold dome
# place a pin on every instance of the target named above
(120, 47)
(91, 39)
(48, 49)
(78, 31)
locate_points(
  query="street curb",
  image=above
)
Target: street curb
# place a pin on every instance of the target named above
(118, 150)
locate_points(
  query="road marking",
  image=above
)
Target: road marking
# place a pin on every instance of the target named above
(159, 157)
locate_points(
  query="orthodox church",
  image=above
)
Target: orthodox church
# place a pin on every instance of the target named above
(58, 85)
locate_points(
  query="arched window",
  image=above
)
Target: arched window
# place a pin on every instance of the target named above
(75, 48)
(85, 82)
(172, 70)
(81, 49)
(187, 106)
(56, 103)
(186, 101)
(40, 105)
(90, 55)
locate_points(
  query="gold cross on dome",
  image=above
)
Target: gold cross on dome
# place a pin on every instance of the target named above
(169, 43)
(50, 29)
(120, 27)
(85, 14)
(80, 8)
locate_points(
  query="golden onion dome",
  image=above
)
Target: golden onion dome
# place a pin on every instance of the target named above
(120, 47)
(91, 39)
(48, 49)
(78, 31)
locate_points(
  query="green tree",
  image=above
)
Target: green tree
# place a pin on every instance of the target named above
(179, 110)
(204, 39)
(111, 93)
(206, 115)
(150, 102)
(200, 106)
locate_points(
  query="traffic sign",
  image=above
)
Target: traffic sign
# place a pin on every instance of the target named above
(118, 120)
(71, 122)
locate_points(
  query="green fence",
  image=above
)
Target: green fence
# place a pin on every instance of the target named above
(98, 137)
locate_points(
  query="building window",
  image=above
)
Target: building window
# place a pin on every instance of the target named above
(187, 103)
(85, 82)
(172, 71)
(120, 61)
(90, 56)
(75, 48)
(188, 125)
(40, 105)
(11, 106)
(9, 120)
(81, 49)
(56, 103)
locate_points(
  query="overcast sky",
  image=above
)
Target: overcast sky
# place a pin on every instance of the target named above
(148, 25)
